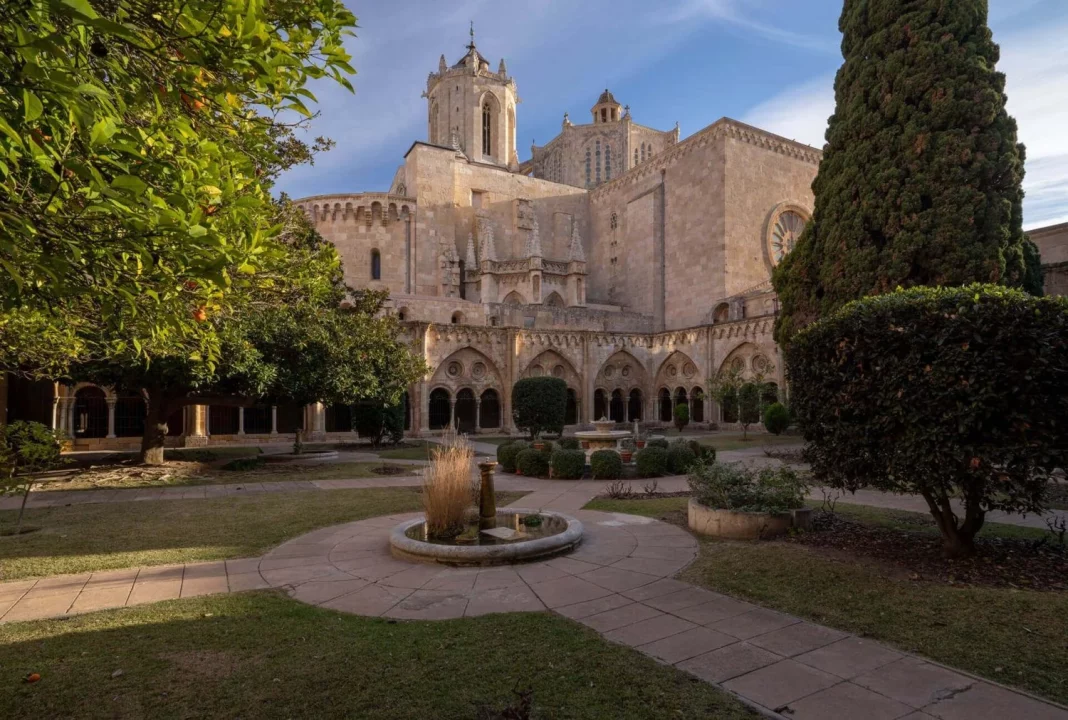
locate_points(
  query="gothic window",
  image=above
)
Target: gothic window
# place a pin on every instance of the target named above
(604, 115)
(785, 230)
(635, 156)
(486, 145)
(598, 162)
(376, 265)
(587, 167)
(608, 163)
(643, 152)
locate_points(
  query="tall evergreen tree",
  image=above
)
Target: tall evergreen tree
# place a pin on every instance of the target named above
(920, 182)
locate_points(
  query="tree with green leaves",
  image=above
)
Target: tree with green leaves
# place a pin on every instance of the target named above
(749, 405)
(920, 182)
(138, 141)
(539, 404)
(25, 448)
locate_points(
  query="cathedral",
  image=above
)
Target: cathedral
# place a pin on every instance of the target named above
(630, 263)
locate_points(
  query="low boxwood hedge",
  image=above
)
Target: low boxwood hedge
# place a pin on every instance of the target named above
(657, 442)
(568, 443)
(507, 452)
(606, 465)
(679, 458)
(568, 464)
(651, 461)
(533, 463)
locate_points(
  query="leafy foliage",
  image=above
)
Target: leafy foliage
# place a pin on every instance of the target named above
(944, 392)
(702, 452)
(651, 461)
(657, 442)
(776, 418)
(681, 416)
(377, 421)
(606, 465)
(539, 404)
(568, 464)
(29, 447)
(920, 182)
(507, 452)
(679, 458)
(568, 443)
(138, 142)
(533, 463)
(735, 487)
(749, 405)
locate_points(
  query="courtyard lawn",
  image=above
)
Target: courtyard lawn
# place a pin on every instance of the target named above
(1011, 636)
(733, 440)
(263, 655)
(80, 538)
(416, 450)
(182, 474)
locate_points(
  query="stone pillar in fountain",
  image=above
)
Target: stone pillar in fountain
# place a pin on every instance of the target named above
(487, 499)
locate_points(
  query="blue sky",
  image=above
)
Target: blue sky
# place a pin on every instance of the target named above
(770, 63)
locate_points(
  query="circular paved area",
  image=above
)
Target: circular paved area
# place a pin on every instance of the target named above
(349, 568)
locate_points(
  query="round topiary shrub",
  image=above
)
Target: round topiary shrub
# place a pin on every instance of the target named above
(776, 418)
(568, 443)
(680, 458)
(533, 463)
(539, 404)
(606, 465)
(651, 461)
(657, 443)
(949, 392)
(506, 454)
(568, 464)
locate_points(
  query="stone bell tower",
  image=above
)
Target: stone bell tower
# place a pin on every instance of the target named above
(472, 109)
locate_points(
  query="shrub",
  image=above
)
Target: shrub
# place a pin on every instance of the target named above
(448, 490)
(679, 459)
(748, 406)
(606, 465)
(651, 461)
(506, 454)
(942, 392)
(25, 448)
(681, 416)
(568, 464)
(375, 421)
(533, 463)
(539, 404)
(657, 443)
(568, 443)
(776, 418)
(730, 487)
(243, 464)
(548, 447)
(707, 453)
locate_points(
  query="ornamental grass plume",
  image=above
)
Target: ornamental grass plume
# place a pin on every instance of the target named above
(448, 488)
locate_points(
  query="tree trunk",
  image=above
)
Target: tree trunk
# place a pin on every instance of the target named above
(957, 541)
(22, 508)
(155, 428)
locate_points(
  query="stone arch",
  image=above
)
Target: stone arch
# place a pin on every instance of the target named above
(554, 300)
(457, 318)
(514, 298)
(90, 412)
(491, 140)
(722, 313)
(466, 368)
(677, 368)
(623, 371)
(553, 363)
(749, 361)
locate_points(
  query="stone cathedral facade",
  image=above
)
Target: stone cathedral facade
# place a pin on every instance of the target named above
(630, 263)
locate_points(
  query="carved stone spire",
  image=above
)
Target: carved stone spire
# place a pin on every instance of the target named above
(486, 249)
(470, 262)
(442, 66)
(502, 69)
(534, 241)
(575, 252)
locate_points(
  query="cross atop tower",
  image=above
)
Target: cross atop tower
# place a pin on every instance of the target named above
(471, 46)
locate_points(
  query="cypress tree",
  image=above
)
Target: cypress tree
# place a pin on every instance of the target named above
(920, 182)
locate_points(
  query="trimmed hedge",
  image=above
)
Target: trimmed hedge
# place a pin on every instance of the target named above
(568, 443)
(539, 404)
(705, 453)
(679, 459)
(507, 452)
(651, 461)
(776, 418)
(606, 465)
(568, 464)
(659, 443)
(946, 392)
(533, 463)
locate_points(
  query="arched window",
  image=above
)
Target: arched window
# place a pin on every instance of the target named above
(697, 405)
(618, 407)
(571, 414)
(438, 412)
(722, 313)
(491, 410)
(681, 398)
(598, 162)
(634, 405)
(90, 413)
(402, 314)
(600, 405)
(487, 147)
(465, 410)
(664, 404)
(608, 163)
(457, 318)
(643, 152)
(130, 417)
(463, 280)
(376, 265)
(587, 167)
(635, 156)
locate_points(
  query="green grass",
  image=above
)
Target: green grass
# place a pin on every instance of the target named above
(420, 451)
(175, 476)
(261, 655)
(1011, 636)
(734, 441)
(80, 538)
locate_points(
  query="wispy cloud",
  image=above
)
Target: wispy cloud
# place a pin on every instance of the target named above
(741, 16)
(800, 113)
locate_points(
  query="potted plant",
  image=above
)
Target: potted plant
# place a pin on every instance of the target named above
(738, 503)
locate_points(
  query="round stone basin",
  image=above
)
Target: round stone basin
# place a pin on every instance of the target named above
(557, 533)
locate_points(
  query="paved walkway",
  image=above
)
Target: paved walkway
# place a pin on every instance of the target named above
(618, 582)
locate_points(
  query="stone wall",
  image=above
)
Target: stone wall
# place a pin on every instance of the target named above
(1052, 245)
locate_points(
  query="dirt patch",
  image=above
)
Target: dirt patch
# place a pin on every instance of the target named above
(204, 663)
(1001, 562)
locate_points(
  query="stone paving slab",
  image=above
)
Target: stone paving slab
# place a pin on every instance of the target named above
(618, 583)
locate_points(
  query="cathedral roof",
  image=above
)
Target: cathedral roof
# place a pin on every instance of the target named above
(480, 61)
(607, 97)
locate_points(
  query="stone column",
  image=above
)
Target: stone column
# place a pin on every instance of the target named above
(111, 416)
(422, 401)
(487, 499)
(196, 425)
(452, 412)
(478, 414)
(274, 419)
(241, 421)
(317, 424)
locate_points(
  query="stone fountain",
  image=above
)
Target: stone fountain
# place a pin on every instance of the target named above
(602, 437)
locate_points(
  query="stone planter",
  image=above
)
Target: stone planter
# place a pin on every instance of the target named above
(732, 525)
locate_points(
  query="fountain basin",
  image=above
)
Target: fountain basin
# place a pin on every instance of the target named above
(560, 533)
